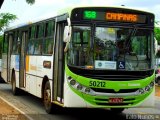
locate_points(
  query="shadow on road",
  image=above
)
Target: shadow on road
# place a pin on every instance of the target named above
(94, 114)
(1, 79)
(89, 114)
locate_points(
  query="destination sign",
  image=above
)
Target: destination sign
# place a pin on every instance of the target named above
(113, 16)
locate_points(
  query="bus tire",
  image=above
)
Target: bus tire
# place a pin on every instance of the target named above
(117, 110)
(15, 90)
(47, 98)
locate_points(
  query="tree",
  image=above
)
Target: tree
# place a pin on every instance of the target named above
(31, 2)
(157, 31)
(157, 34)
(5, 19)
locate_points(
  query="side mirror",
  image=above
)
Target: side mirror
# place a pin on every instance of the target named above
(67, 37)
(67, 34)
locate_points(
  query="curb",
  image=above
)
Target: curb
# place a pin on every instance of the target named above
(16, 108)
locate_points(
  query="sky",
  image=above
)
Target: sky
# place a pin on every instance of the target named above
(48, 8)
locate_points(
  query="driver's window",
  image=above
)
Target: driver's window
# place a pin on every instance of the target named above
(139, 43)
(80, 45)
(105, 40)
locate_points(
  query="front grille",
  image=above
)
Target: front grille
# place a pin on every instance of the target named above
(112, 75)
(112, 91)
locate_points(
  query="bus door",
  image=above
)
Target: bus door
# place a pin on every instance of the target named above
(22, 77)
(58, 64)
(9, 57)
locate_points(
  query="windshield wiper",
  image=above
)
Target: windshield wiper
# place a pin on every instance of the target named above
(128, 39)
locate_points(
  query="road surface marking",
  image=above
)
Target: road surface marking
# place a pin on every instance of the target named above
(16, 108)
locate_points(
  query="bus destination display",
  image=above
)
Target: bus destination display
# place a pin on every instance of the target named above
(114, 16)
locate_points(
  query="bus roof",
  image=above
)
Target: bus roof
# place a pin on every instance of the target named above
(68, 10)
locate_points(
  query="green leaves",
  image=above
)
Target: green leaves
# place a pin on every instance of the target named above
(31, 2)
(5, 19)
(157, 34)
(157, 31)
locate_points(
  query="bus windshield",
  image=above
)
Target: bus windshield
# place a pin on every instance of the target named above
(112, 48)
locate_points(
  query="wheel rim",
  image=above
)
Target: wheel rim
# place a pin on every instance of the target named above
(47, 98)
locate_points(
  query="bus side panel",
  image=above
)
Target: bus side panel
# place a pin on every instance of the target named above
(4, 67)
(31, 75)
(44, 68)
(35, 72)
(31, 84)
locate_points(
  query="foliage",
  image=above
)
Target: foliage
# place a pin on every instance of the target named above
(157, 34)
(1, 38)
(5, 19)
(157, 31)
(31, 2)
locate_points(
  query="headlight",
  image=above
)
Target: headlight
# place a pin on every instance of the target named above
(87, 90)
(146, 88)
(152, 84)
(69, 77)
(72, 82)
(141, 91)
(78, 86)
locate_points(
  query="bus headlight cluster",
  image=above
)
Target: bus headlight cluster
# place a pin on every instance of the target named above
(78, 86)
(145, 89)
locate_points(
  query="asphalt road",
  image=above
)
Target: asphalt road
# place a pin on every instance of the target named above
(33, 107)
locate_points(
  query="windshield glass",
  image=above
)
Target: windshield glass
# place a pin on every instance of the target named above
(110, 48)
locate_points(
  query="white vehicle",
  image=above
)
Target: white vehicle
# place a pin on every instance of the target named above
(72, 59)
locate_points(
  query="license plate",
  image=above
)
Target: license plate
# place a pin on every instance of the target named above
(115, 100)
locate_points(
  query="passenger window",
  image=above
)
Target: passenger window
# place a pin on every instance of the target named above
(30, 47)
(37, 47)
(48, 49)
(39, 32)
(49, 28)
(5, 43)
(32, 32)
(16, 44)
(49, 38)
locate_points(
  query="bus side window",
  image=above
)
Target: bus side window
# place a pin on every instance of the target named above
(32, 32)
(49, 38)
(39, 31)
(37, 47)
(5, 43)
(16, 44)
(30, 47)
(35, 40)
(38, 40)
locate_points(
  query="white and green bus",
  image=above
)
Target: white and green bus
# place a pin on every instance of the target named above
(88, 57)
